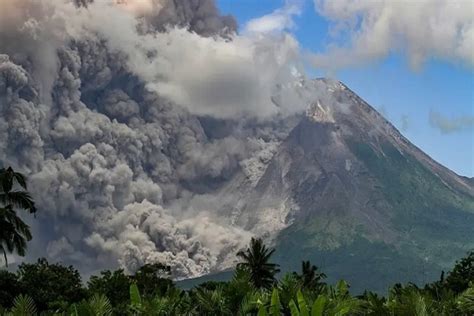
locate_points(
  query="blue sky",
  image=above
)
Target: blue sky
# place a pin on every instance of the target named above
(406, 96)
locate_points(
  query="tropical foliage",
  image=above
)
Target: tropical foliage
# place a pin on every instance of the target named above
(255, 260)
(44, 288)
(52, 289)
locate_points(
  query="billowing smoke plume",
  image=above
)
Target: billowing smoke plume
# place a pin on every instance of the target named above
(422, 29)
(199, 16)
(98, 105)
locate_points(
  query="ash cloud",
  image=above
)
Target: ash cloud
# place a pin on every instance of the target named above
(107, 118)
(199, 16)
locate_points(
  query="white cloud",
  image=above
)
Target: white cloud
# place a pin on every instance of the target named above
(277, 21)
(421, 29)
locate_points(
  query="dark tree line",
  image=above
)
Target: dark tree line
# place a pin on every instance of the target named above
(55, 289)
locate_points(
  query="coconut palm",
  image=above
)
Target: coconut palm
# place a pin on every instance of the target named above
(256, 262)
(14, 233)
(310, 277)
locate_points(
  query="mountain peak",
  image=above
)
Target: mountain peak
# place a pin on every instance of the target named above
(351, 186)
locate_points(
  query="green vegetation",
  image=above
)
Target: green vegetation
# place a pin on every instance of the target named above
(427, 224)
(415, 193)
(43, 288)
(424, 208)
(51, 289)
(255, 261)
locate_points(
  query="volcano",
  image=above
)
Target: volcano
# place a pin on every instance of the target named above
(358, 199)
(169, 137)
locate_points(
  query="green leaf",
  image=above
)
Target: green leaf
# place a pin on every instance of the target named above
(343, 311)
(73, 310)
(342, 288)
(83, 309)
(302, 304)
(294, 309)
(262, 311)
(275, 303)
(318, 306)
(100, 305)
(23, 305)
(135, 297)
(465, 301)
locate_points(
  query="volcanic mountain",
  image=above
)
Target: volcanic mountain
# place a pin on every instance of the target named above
(154, 138)
(355, 197)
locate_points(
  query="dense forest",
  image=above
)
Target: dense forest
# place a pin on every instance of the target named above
(256, 288)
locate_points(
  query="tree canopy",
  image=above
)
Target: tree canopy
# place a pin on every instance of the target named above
(55, 289)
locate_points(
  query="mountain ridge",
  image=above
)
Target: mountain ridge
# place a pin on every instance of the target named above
(347, 185)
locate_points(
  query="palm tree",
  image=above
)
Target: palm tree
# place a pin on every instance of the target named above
(255, 261)
(212, 302)
(14, 233)
(310, 277)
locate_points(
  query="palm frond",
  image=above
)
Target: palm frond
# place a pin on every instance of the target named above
(14, 233)
(23, 305)
(18, 199)
(100, 305)
(465, 301)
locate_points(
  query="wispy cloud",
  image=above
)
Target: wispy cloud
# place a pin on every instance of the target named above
(277, 21)
(450, 125)
(405, 122)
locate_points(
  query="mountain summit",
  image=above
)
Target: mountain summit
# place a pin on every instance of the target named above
(360, 200)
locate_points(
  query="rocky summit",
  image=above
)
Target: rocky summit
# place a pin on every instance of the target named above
(361, 199)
